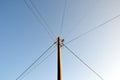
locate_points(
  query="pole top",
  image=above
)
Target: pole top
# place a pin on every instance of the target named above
(60, 41)
(58, 37)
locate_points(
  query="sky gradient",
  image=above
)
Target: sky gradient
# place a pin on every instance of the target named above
(23, 39)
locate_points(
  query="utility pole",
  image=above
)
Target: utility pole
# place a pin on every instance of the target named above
(59, 75)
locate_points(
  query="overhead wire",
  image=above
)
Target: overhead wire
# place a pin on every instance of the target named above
(83, 62)
(47, 26)
(37, 14)
(94, 28)
(73, 30)
(37, 64)
(81, 19)
(63, 16)
(35, 61)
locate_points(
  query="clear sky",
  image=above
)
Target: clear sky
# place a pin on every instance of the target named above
(23, 39)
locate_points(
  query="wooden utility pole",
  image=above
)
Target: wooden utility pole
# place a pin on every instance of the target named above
(59, 59)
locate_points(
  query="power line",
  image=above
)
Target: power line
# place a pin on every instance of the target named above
(38, 64)
(42, 22)
(83, 62)
(93, 29)
(47, 26)
(73, 30)
(35, 61)
(63, 16)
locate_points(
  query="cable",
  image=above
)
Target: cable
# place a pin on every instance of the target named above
(47, 26)
(83, 62)
(38, 64)
(63, 16)
(94, 28)
(37, 17)
(73, 30)
(34, 62)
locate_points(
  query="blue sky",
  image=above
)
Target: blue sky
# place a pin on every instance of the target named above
(23, 39)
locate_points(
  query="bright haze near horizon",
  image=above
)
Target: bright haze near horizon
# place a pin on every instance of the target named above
(23, 39)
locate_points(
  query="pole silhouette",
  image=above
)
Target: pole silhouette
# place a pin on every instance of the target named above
(59, 76)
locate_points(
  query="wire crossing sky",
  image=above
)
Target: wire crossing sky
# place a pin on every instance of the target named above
(29, 27)
(84, 63)
(35, 62)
